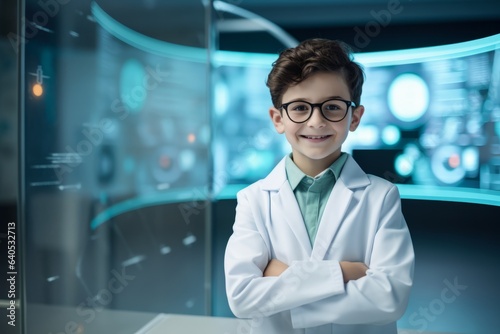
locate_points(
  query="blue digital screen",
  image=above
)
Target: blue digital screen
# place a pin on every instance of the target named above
(431, 121)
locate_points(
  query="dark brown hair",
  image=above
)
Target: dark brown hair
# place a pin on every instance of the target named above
(314, 55)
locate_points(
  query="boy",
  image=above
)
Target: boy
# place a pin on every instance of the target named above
(318, 246)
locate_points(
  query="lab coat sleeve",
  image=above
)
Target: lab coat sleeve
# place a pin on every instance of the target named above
(250, 295)
(382, 295)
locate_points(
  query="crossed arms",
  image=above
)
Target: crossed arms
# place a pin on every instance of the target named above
(351, 271)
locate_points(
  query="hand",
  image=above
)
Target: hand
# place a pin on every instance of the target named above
(274, 268)
(353, 270)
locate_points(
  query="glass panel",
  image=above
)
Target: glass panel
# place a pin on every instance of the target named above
(116, 159)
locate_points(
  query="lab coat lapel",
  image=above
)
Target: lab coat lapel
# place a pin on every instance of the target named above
(284, 205)
(331, 220)
(287, 208)
(351, 177)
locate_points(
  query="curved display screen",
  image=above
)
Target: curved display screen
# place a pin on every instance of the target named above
(431, 121)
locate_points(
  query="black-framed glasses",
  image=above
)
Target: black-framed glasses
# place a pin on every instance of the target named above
(333, 110)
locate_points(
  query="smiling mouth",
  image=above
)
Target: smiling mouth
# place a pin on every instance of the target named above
(316, 137)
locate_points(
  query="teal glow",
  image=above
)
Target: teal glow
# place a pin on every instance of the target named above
(391, 135)
(367, 134)
(433, 53)
(248, 59)
(256, 60)
(411, 191)
(175, 196)
(470, 159)
(403, 165)
(443, 166)
(408, 97)
(258, 161)
(372, 59)
(146, 43)
(229, 191)
(131, 85)
(129, 164)
(450, 194)
(384, 58)
(221, 98)
(187, 159)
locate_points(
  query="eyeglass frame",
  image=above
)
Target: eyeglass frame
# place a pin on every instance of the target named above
(320, 107)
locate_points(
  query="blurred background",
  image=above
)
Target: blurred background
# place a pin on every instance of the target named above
(126, 129)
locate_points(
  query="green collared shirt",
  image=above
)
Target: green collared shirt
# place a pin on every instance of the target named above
(312, 192)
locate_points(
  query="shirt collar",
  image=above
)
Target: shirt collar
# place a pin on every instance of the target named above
(295, 175)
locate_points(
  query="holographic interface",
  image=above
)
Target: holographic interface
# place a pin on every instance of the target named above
(431, 121)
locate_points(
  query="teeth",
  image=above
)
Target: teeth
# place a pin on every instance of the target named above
(315, 137)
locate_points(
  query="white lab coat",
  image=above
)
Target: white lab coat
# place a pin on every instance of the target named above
(362, 222)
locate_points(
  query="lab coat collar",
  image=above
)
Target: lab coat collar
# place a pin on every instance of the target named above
(351, 178)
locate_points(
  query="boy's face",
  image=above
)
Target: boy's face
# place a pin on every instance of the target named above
(316, 143)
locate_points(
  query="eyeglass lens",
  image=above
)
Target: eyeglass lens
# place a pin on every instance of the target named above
(332, 110)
